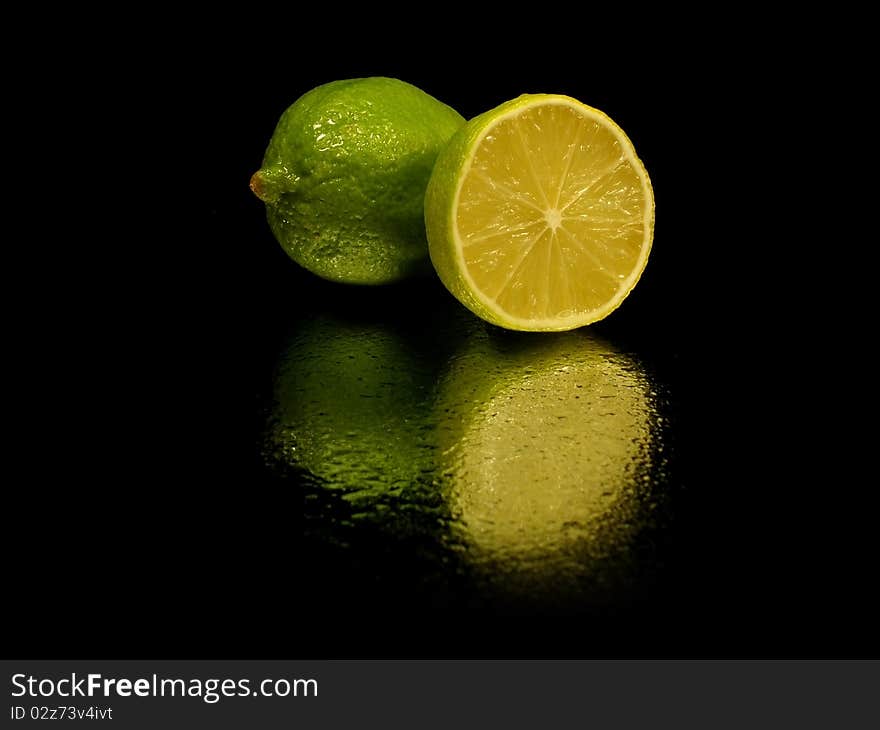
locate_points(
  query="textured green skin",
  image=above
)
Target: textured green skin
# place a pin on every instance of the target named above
(349, 206)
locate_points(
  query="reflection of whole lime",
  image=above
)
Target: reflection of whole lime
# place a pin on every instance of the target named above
(351, 401)
(344, 178)
(546, 446)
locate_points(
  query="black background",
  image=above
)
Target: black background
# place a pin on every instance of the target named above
(154, 300)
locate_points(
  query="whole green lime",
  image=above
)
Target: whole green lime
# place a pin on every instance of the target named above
(344, 178)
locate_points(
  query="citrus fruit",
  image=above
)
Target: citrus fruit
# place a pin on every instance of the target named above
(344, 177)
(539, 214)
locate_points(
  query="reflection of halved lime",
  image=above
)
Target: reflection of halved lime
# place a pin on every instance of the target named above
(546, 448)
(540, 216)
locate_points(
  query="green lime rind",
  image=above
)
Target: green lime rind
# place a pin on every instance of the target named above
(344, 176)
(440, 209)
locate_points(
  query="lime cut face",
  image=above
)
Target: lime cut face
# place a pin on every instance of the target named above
(540, 215)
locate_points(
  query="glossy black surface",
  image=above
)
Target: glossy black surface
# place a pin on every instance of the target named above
(148, 520)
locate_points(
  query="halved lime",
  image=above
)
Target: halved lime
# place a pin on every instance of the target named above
(540, 215)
